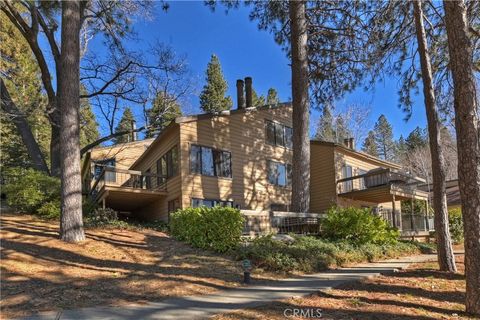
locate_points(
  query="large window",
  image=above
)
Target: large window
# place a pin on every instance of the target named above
(167, 165)
(209, 203)
(210, 162)
(347, 173)
(279, 174)
(277, 134)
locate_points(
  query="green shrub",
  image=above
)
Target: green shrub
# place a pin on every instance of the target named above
(50, 210)
(28, 190)
(357, 226)
(456, 225)
(104, 218)
(218, 228)
(311, 254)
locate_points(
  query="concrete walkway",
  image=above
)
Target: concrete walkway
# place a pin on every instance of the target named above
(204, 306)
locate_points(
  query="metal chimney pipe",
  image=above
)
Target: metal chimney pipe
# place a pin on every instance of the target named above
(240, 94)
(248, 92)
(352, 143)
(346, 142)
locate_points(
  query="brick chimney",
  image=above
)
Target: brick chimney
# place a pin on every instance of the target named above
(248, 92)
(240, 94)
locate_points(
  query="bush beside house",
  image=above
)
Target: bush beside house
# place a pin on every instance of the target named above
(218, 228)
(456, 225)
(33, 192)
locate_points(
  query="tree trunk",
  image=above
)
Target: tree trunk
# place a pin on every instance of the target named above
(301, 111)
(446, 259)
(23, 128)
(71, 224)
(55, 144)
(468, 143)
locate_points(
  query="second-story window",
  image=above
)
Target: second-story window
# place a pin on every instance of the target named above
(278, 134)
(210, 162)
(279, 174)
(167, 165)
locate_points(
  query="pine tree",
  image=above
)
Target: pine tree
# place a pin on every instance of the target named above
(384, 139)
(88, 122)
(257, 101)
(163, 111)
(272, 96)
(212, 98)
(325, 130)
(125, 123)
(369, 145)
(341, 130)
(416, 139)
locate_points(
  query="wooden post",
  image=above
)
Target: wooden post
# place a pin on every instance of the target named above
(412, 223)
(394, 218)
(103, 203)
(427, 223)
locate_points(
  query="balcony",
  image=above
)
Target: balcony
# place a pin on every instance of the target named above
(127, 190)
(381, 185)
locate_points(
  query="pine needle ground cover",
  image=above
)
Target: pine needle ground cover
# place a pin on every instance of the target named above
(112, 267)
(419, 292)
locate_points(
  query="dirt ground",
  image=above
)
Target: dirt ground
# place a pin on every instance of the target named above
(112, 267)
(419, 292)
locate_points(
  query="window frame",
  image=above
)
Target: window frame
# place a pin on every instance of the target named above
(219, 161)
(167, 162)
(214, 203)
(287, 171)
(285, 143)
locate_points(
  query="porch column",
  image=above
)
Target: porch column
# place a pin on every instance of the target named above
(412, 223)
(394, 218)
(103, 203)
(427, 223)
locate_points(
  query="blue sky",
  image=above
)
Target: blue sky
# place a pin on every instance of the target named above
(193, 29)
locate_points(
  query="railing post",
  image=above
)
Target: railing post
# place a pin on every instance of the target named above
(412, 223)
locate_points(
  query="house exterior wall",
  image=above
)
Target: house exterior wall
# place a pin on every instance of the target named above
(359, 162)
(125, 154)
(326, 164)
(159, 209)
(242, 134)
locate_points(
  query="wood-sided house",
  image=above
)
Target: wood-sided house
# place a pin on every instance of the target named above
(242, 158)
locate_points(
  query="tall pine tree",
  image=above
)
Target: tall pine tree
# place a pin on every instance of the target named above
(384, 139)
(164, 110)
(325, 130)
(272, 96)
(369, 145)
(212, 98)
(126, 123)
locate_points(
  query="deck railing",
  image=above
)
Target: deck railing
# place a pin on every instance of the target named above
(375, 178)
(116, 177)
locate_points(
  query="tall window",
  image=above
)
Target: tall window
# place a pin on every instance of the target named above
(167, 165)
(277, 134)
(279, 174)
(347, 173)
(210, 162)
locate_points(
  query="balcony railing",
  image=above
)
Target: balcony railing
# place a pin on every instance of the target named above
(376, 178)
(115, 177)
(416, 222)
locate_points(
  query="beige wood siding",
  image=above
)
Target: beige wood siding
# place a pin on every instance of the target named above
(159, 208)
(242, 134)
(322, 177)
(359, 162)
(125, 154)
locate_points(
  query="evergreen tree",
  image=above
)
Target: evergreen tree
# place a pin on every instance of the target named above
(212, 98)
(384, 139)
(88, 122)
(21, 76)
(257, 101)
(125, 123)
(163, 111)
(325, 130)
(272, 96)
(341, 130)
(369, 145)
(416, 139)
